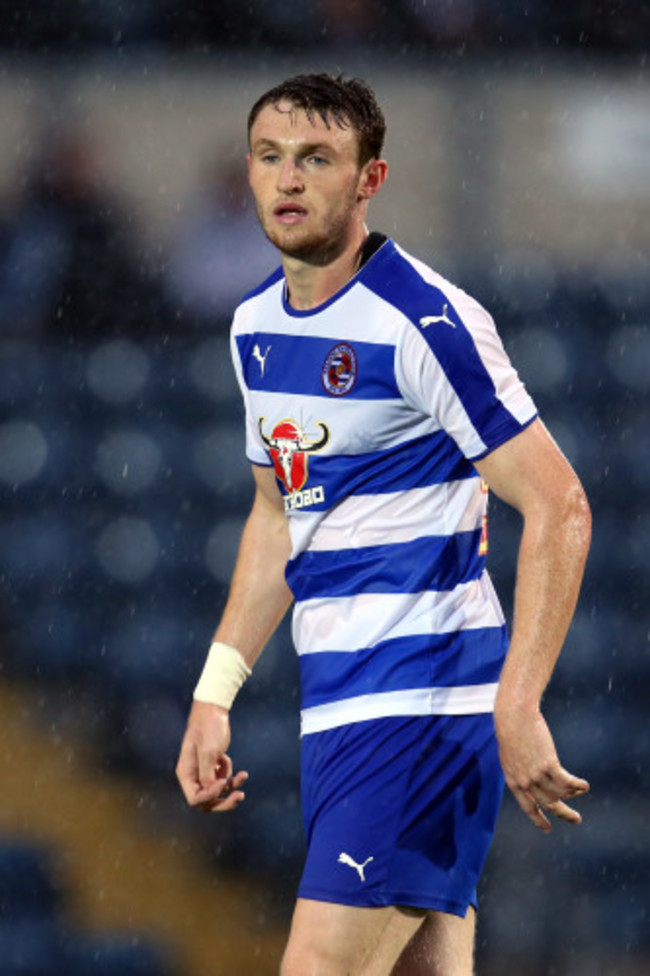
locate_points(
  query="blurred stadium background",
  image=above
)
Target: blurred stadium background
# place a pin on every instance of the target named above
(519, 139)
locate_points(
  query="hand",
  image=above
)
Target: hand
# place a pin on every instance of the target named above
(532, 768)
(204, 770)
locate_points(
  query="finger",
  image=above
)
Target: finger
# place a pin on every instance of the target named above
(565, 784)
(576, 786)
(224, 794)
(551, 797)
(239, 779)
(213, 767)
(206, 795)
(554, 803)
(557, 784)
(187, 773)
(564, 812)
(230, 802)
(224, 803)
(533, 810)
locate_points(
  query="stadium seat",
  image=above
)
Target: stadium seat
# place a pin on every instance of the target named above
(24, 377)
(149, 730)
(30, 947)
(220, 464)
(115, 954)
(28, 888)
(155, 649)
(39, 559)
(117, 372)
(57, 642)
(210, 371)
(128, 461)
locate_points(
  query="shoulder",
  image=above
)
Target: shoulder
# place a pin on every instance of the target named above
(420, 293)
(258, 302)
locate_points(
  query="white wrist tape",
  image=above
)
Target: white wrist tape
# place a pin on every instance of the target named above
(224, 673)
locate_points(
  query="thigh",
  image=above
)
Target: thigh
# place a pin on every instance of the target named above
(442, 946)
(400, 812)
(327, 939)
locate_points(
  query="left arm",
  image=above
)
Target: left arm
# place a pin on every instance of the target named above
(530, 473)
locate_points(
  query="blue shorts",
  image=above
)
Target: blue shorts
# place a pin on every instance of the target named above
(400, 811)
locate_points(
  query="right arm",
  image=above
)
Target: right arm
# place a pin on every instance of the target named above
(258, 600)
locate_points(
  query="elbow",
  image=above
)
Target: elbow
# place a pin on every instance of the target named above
(562, 514)
(576, 516)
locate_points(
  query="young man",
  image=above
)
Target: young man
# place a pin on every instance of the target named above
(380, 406)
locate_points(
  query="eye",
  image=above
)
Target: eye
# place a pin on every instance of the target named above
(318, 160)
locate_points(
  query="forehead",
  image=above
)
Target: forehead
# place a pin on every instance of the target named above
(285, 123)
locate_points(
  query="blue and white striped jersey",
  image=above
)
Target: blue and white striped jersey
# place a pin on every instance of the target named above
(372, 408)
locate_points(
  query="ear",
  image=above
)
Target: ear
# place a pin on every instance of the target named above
(249, 161)
(372, 178)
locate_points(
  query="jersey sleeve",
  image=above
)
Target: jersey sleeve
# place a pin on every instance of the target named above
(453, 367)
(255, 450)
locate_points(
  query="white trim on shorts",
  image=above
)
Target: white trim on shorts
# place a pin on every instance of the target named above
(461, 700)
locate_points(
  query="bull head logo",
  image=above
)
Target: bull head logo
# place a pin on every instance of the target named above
(289, 448)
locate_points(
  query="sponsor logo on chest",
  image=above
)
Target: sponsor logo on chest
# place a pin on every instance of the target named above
(289, 448)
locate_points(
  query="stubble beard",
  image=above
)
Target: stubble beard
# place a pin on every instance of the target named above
(313, 247)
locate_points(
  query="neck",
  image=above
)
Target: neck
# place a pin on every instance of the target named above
(310, 283)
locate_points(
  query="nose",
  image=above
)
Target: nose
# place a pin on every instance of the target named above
(290, 178)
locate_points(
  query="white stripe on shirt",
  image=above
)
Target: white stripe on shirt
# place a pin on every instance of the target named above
(351, 622)
(462, 700)
(394, 517)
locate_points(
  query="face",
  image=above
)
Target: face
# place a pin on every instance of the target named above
(308, 185)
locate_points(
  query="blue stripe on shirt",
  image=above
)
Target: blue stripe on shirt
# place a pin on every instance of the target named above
(394, 279)
(429, 460)
(427, 563)
(295, 365)
(468, 657)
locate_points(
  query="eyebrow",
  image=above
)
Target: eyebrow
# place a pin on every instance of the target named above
(305, 149)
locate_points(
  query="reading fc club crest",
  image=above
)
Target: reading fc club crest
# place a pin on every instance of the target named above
(339, 372)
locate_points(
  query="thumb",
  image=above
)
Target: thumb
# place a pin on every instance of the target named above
(213, 765)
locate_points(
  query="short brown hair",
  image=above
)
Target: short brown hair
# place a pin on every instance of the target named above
(349, 102)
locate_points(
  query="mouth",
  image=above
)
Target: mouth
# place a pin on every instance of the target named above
(289, 212)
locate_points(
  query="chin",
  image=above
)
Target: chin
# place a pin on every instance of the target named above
(297, 244)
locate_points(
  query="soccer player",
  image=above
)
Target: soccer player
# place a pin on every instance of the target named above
(380, 407)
